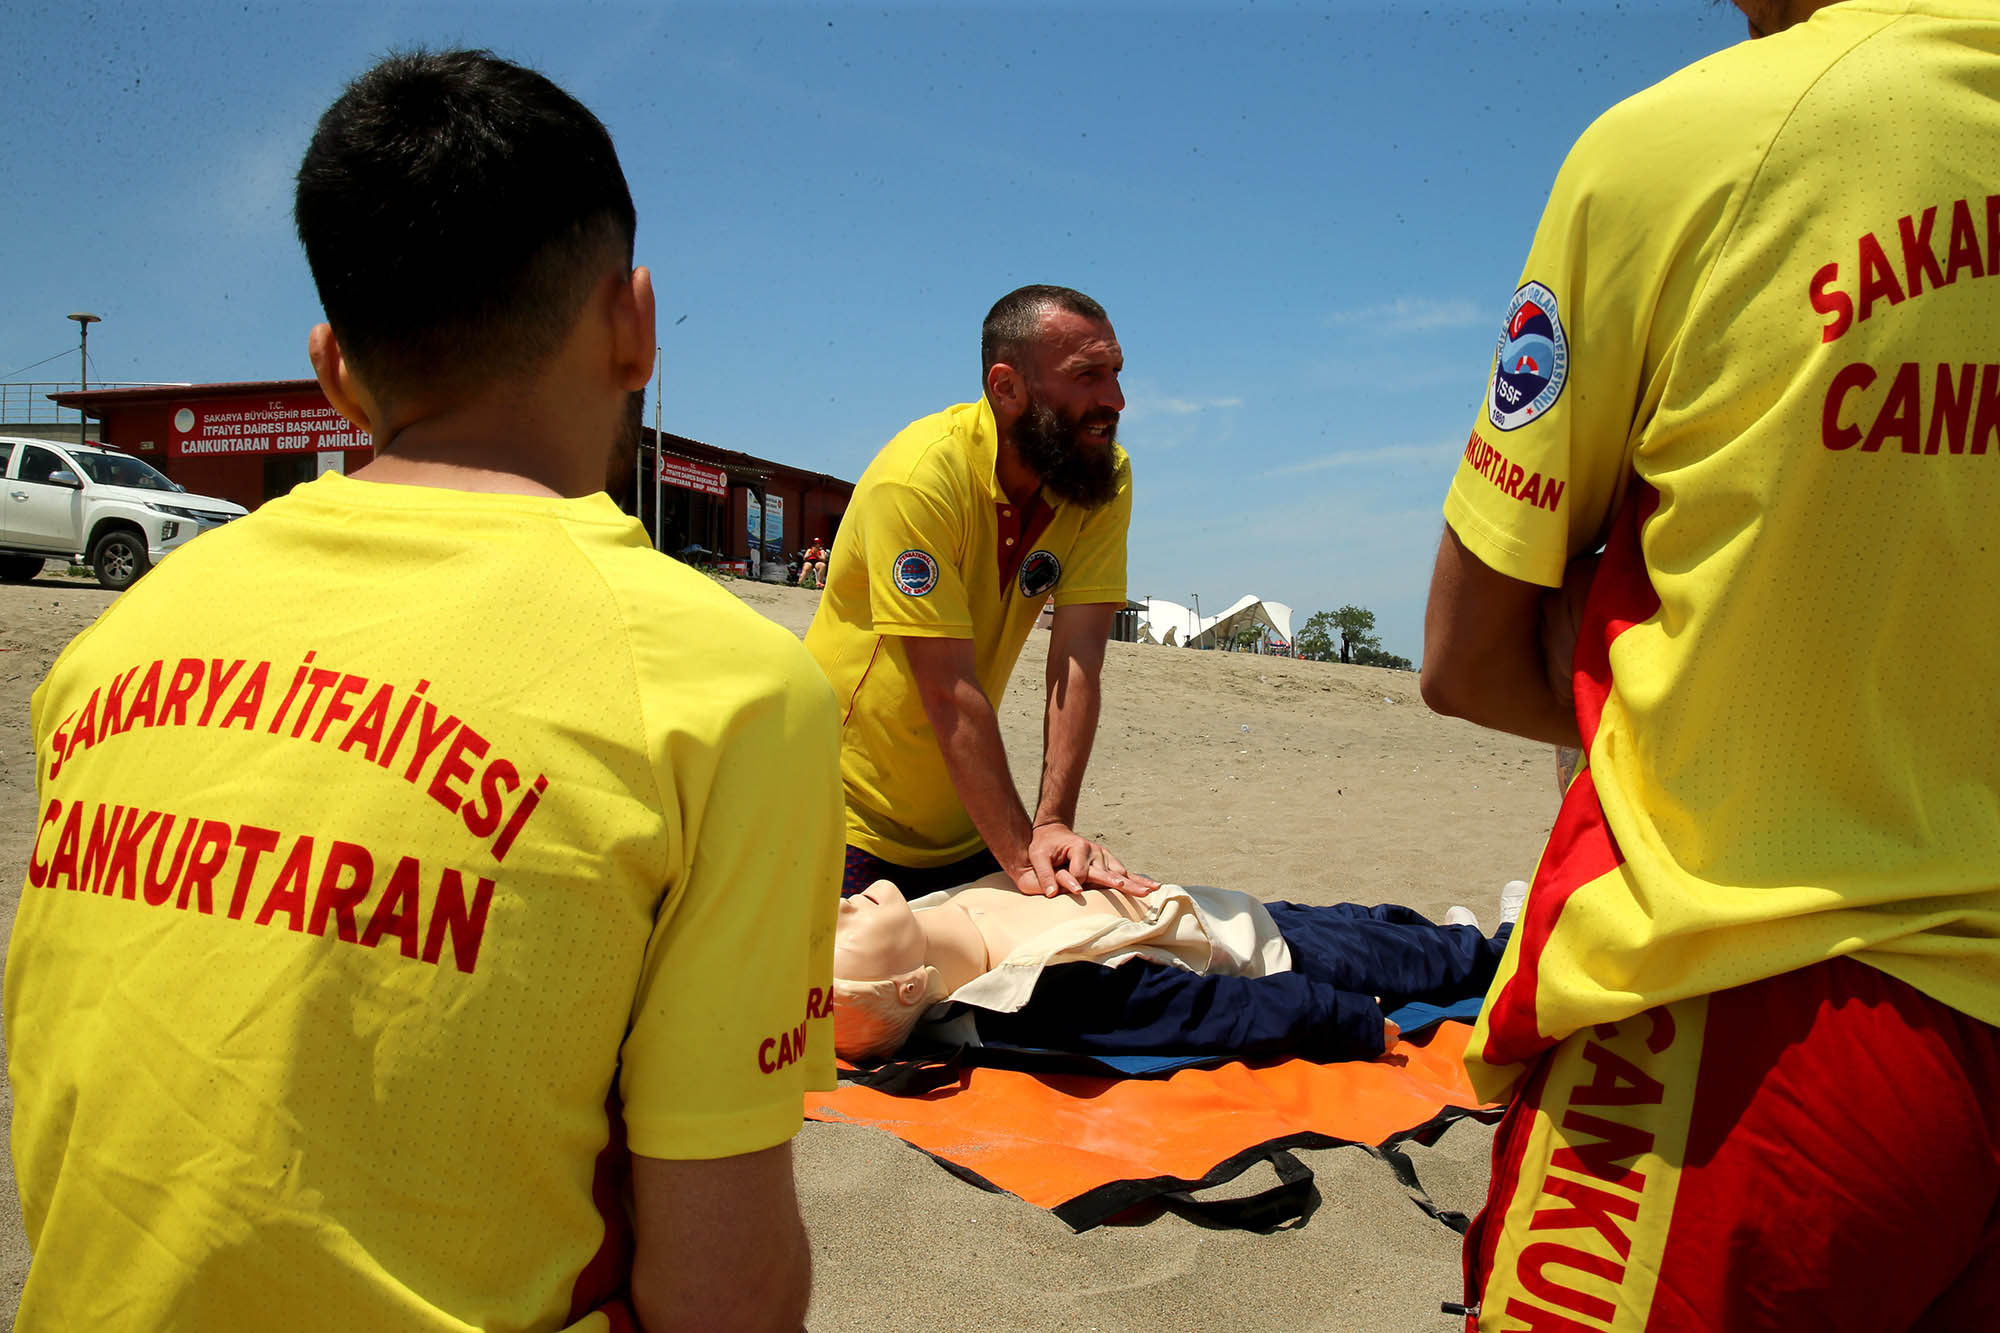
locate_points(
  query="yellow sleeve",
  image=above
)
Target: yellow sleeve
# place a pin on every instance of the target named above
(913, 539)
(1579, 360)
(732, 1021)
(1097, 563)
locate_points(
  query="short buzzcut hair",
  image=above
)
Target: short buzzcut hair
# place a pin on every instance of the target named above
(1016, 319)
(456, 211)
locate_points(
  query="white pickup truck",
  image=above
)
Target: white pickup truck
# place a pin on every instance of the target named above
(89, 504)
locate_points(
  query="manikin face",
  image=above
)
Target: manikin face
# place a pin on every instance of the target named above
(876, 936)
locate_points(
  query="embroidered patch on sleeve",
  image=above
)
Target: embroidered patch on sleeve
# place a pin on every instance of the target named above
(1533, 360)
(1040, 572)
(916, 572)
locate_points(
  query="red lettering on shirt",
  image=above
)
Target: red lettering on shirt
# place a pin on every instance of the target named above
(1830, 300)
(211, 851)
(187, 679)
(1923, 268)
(137, 827)
(454, 768)
(1510, 478)
(307, 892)
(337, 900)
(1941, 422)
(288, 895)
(337, 707)
(63, 864)
(499, 777)
(255, 842)
(249, 700)
(114, 700)
(218, 681)
(98, 847)
(146, 703)
(1898, 417)
(396, 914)
(450, 917)
(38, 869)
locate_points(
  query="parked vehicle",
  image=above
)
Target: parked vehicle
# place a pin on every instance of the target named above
(95, 506)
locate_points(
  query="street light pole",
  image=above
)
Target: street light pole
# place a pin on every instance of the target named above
(84, 320)
(1197, 614)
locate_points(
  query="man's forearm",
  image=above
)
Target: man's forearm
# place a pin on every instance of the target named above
(1069, 729)
(968, 736)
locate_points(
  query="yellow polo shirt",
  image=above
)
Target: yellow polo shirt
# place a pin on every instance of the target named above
(932, 547)
(1753, 352)
(403, 857)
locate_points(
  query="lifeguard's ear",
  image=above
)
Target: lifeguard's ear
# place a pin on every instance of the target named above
(344, 393)
(634, 345)
(1006, 390)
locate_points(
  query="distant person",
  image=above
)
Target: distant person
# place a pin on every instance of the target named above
(812, 573)
(405, 942)
(1749, 1010)
(957, 533)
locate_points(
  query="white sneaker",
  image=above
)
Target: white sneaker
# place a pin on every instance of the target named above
(1512, 897)
(1460, 916)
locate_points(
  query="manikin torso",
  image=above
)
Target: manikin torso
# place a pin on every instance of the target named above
(987, 920)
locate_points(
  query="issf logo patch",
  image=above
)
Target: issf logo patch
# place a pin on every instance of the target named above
(1040, 573)
(1532, 362)
(916, 572)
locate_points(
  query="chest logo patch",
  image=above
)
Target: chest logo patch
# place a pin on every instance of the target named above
(1040, 573)
(1532, 363)
(916, 572)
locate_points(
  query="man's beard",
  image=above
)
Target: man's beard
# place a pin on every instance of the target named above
(1050, 444)
(625, 444)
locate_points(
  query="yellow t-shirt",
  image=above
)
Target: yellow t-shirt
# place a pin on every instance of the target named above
(932, 547)
(401, 853)
(1753, 353)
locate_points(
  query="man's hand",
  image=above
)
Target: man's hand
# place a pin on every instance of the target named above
(1061, 860)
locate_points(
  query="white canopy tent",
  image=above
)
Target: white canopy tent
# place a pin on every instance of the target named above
(1173, 625)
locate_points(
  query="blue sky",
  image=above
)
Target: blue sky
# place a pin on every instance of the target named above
(1305, 220)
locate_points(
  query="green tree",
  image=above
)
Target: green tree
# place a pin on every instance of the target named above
(1347, 635)
(1375, 657)
(1246, 637)
(1356, 625)
(1315, 640)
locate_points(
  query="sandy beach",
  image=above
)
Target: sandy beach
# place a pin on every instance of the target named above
(1309, 781)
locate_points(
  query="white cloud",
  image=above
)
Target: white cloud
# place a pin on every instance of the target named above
(1180, 407)
(1408, 314)
(1385, 453)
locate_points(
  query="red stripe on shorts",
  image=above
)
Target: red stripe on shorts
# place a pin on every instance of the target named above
(1581, 847)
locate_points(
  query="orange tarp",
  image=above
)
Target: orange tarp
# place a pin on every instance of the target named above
(1052, 1138)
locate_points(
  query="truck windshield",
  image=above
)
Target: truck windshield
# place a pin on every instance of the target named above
(122, 470)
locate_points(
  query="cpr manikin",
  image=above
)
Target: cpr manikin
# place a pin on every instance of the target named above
(1181, 969)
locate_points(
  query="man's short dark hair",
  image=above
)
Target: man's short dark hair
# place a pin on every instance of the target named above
(1016, 319)
(456, 211)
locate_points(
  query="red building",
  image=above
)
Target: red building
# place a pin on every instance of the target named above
(251, 441)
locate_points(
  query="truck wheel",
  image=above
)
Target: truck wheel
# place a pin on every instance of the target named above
(19, 568)
(119, 558)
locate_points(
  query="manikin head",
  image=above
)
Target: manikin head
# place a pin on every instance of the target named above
(1051, 363)
(881, 981)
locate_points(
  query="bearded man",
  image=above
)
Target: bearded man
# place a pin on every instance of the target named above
(959, 532)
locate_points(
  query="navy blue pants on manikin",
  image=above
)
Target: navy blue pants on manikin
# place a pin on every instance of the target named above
(1325, 1008)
